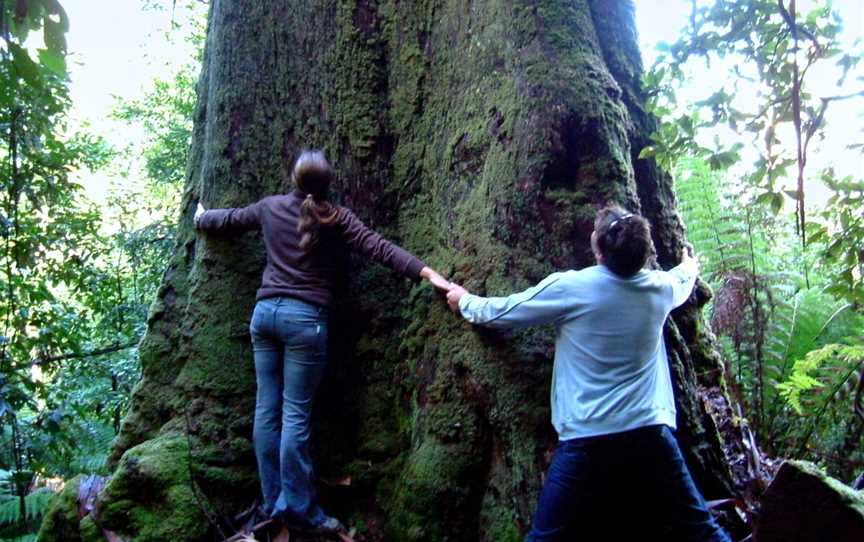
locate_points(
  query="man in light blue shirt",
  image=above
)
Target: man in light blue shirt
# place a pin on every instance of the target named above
(611, 389)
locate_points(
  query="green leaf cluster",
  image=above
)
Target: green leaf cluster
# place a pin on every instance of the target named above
(76, 279)
(790, 341)
(771, 55)
(788, 287)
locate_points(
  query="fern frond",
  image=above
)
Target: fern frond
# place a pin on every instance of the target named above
(797, 384)
(36, 504)
(7, 486)
(770, 319)
(93, 447)
(91, 463)
(831, 367)
(714, 231)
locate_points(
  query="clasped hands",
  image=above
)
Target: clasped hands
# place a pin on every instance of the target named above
(453, 291)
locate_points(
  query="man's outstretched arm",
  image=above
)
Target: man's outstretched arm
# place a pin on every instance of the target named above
(539, 304)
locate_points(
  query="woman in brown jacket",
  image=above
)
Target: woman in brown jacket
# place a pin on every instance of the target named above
(304, 234)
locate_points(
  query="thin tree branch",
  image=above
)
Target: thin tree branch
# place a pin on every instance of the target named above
(843, 96)
(789, 18)
(811, 130)
(769, 105)
(858, 404)
(88, 354)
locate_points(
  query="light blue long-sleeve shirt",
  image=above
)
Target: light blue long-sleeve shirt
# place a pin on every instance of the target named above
(611, 373)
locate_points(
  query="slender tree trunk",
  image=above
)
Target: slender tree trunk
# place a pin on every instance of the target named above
(483, 136)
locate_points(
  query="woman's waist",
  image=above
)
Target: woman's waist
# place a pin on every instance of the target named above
(293, 303)
(313, 287)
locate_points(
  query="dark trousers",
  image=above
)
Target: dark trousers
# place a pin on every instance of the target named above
(625, 486)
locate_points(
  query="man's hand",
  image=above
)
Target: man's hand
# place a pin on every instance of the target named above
(688, 255)
(454, 295)
(435, 279)
(198, 212)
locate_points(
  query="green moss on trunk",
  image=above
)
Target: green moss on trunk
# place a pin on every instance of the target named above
(61, 521)
(157, 473)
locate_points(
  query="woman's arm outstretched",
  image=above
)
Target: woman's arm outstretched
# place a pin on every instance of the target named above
(228, 220)
(373, 245)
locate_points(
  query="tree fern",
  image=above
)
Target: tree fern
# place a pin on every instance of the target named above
(716, 233)
(769, 318)
(37, 504)
(7, 485)
(92, 453)
(811, 320)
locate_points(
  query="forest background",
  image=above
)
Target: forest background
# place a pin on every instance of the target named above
(761, 129)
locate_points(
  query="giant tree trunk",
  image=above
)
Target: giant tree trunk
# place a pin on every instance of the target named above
(482, 136)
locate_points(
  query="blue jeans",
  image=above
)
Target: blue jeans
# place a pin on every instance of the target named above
(289, 341)
(632, 485)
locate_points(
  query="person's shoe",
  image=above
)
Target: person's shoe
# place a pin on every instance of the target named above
(330, 525)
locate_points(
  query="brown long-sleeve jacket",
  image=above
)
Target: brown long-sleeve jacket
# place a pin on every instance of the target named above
(308, 275)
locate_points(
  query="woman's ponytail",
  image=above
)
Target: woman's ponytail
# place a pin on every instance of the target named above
(312, 174)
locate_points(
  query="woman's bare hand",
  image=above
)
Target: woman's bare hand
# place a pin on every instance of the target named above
(198, 212)
(439, 282)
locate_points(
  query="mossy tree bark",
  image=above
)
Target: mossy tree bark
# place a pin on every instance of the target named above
(482, 136)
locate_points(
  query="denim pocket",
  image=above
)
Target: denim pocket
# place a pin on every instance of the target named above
(284, 321)
(301, 331)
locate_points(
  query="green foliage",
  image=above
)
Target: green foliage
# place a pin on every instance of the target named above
(76, 280)
(18, 21)
(788, 289)
(37, 504)
(74, 291)
(774, 58)
(90, 392)
(46, 237)
(145, 210)
(165, 112)
(839, 232)
(820, 385)
(803, 380)
(787, 343)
